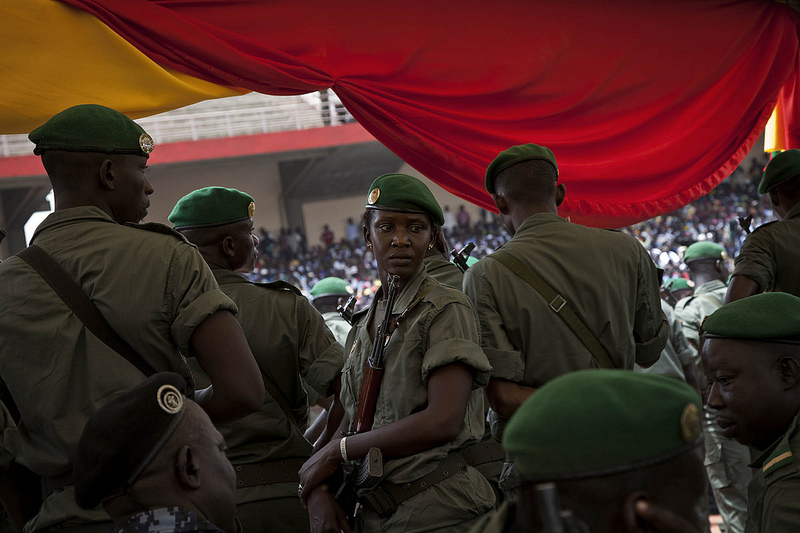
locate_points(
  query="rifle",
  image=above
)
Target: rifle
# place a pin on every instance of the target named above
(460, 257)
(346, 310)
(367, 472)
(553, 519)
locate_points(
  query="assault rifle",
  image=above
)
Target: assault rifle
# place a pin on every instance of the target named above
(346, 311)
(551, 517)
(367, 472)
(460, 257)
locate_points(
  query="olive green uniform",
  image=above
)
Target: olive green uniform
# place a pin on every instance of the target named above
(444, 271)
(726, 460)
(774, 492)
(770, 255)
(289, 340)
(501, 520)
(605, 276)
(439, 330)
(152, 286)
(676, 355)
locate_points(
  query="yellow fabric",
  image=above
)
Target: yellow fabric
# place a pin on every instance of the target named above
(55, 56)
(773, 133)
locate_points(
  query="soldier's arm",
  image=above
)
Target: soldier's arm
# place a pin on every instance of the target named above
(505, 397)
(740, 287)
(237, 388)
(333, 418)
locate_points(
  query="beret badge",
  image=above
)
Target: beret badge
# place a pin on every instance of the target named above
(251, 209)
(170, 399)
(373, 196)
(146, 143)
(690, 423)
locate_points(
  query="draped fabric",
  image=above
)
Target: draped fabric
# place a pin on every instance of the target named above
(646, 105)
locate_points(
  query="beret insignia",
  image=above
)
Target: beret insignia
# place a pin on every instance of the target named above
(170, 399)
(251, 209)
(146, 143)
(374, 195)
(690, 423)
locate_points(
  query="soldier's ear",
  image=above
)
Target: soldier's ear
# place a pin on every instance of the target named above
(107, 177)
(187, 469)
(227, 246)
(500, 202)
(790, 371)
(561, 193)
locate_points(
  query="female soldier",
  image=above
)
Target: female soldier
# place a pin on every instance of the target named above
(430, 403)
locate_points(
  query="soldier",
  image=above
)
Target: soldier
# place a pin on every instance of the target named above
(677, 357)
(326, 295)
(770, 254)
(726, 460)
(676, 289)
(154, 460)
(621, 451)
(601, 307)
(289, 340)
(151, 286)
(751, 354)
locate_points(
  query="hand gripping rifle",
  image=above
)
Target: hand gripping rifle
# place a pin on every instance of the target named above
(367, 472)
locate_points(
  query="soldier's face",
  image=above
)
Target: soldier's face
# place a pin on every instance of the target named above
(399, 241)
(132, 189)
(747, 390)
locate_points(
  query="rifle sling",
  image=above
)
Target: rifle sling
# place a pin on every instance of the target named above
(80, 304)
(559, 305)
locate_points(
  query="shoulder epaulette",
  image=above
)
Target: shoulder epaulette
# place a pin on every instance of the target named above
(780, 457)
(281, 285)
(158, 228)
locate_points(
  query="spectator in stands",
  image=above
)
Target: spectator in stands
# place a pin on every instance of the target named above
(462, 218)
(449, 221)
(353, 232)
(327, 236)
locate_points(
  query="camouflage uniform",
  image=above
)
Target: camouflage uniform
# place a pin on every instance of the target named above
(166, 520)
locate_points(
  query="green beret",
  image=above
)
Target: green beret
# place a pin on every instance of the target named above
(92, 128)
(704, 250)
(679, 283)
(782, 167)
(401, 192)
(770, 316)
(330, 286)
(124, 436)
(212, 206)
(514, 155)
(597, 422)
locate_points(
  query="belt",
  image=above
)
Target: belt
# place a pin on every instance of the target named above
(269, 472)
(387, 496)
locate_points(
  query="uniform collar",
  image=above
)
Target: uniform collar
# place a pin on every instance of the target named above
(224, 275)
(73, 215)
(541, 219)
(793, 212)
(709, 286)
(403, 299)
(779, 453)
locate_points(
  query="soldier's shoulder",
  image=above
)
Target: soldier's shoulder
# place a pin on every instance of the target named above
(161, 229)
(766, 226)
(280, 285)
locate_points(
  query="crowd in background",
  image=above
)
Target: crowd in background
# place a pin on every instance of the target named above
(715, 217)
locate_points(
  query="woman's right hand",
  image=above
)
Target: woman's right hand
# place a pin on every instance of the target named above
(325, 514)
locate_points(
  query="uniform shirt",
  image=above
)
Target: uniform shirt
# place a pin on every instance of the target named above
(691, 310)
(676, 354)
(289, 340)
(444, 271)
(439, 330)
(607, 278)
(770, 255)
(165, 520)
(153, 287)
(338, 326)
(774, 492)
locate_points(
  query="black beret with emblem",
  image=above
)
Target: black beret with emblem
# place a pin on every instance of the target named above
(124, 436)
(92, 128)
(401, 192)
(597, 422)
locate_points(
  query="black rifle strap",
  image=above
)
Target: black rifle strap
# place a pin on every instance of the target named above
(80, 304)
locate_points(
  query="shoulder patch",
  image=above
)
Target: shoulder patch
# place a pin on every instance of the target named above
(780, 457)
(281, 285)
(155, 227)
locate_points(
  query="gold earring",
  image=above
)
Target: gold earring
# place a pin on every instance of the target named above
(430, 246)
(369, 245)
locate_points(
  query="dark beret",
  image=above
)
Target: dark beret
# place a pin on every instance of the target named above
(770, 316)
(92, 128)
(595, 422)
(517, 154)
(125, 435)
(401, 192)
(782, 167)
(212, 206)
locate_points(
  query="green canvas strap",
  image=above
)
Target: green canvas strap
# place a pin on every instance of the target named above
(558, 304)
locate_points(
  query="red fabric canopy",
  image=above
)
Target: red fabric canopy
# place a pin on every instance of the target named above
(646, 105)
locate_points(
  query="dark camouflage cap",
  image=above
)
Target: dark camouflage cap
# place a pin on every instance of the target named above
(782, 167)
(517, 154)
(92, 128)
(330, 286)
(597, 422)
(704, 250)
(770, 317)
(124, 436)
(212, 206)
(401, 192)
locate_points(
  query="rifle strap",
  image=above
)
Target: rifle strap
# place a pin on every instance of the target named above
(80, 304)
(559, 305)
